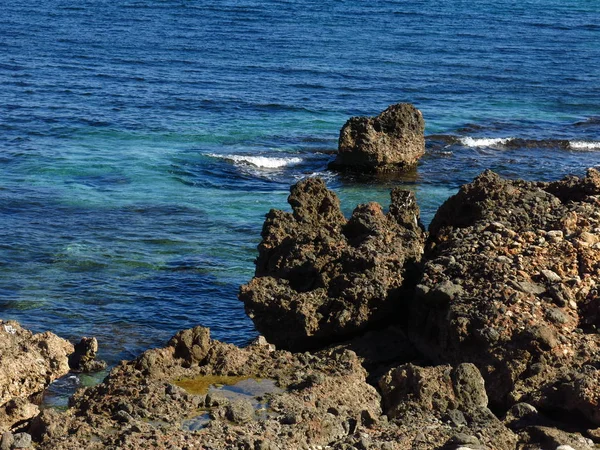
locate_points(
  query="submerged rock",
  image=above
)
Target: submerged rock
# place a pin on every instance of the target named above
(510, 283)
(321, 278)
(392, 141)
(28, 364)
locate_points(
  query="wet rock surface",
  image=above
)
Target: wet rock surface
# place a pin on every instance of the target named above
(392, 141)
(321, 278)
(28, 363)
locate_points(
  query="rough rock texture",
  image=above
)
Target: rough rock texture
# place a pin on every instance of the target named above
(392, 141)
(321, 278)
(322, 402)
(510, 284)
(28, 363)
(454, 398)
(83, 359)
(323, 398)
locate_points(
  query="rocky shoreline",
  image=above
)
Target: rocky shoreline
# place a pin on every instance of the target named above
(481, 333)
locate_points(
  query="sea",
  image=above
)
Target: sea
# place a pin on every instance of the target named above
(142, 142)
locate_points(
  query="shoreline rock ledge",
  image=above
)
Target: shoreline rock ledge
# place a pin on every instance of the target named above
(392, 141)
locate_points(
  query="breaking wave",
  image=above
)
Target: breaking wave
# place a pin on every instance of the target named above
(483, 142)
(584, 145)
(263, 162)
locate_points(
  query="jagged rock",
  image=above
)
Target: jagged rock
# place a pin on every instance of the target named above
(191, 345)
(453, 396)
(83, 359)
(320, 399)
(510, 283)
(438, 389)
(21, 440)
(28, 363)
(392, 141)
(321, 278)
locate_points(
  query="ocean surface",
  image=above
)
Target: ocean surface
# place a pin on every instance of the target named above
(143, 141)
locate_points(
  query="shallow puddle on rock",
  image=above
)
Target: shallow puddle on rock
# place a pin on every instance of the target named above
(196, 423)
(57, 394)
(231, 388)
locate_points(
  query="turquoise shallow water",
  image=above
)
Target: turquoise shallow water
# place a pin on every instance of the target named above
(142, 142)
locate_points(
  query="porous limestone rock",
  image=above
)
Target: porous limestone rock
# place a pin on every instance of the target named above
(28, 364)
(392, 141)
(510, 283)
(321, 278)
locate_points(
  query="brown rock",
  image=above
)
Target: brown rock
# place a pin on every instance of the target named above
(392, 141)
(28, 363)
(526, 313)
(83, 359)
(321, 278)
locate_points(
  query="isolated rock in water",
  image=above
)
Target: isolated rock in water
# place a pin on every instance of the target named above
(28, 363)
(321, 278)
(510, 284)
(83, 359)
(392, 141)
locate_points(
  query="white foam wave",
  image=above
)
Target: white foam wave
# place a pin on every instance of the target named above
(584, 145)
(483, 142)
(261, 161)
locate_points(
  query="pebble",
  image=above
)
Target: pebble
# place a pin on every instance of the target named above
(551, 276)
(572, 304)
(557, 316)
(22, 440)
(6, 441)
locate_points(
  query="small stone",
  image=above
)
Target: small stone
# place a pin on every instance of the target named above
(522, 409)
(551, 276)
(572, 304)
(594, 435)
(564, 447)
(6, 441)
(22, 440)
(240, 411)
(528, 287)
(463, 439)
(455, 417)
(555, 235)
(544, 336)
(557, 316)
(215, 400)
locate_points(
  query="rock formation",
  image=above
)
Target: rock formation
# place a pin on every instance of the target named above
(493, 344)
(83, 358)
(28, 363)
(510, 284)
(321, 278)
(320, 398)
(392, 141)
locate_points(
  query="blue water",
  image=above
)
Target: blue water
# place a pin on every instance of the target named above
(131, 199)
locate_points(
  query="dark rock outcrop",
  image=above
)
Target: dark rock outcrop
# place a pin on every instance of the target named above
(83, 359)
(510, 284)
(392, 141)
(321, 278)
